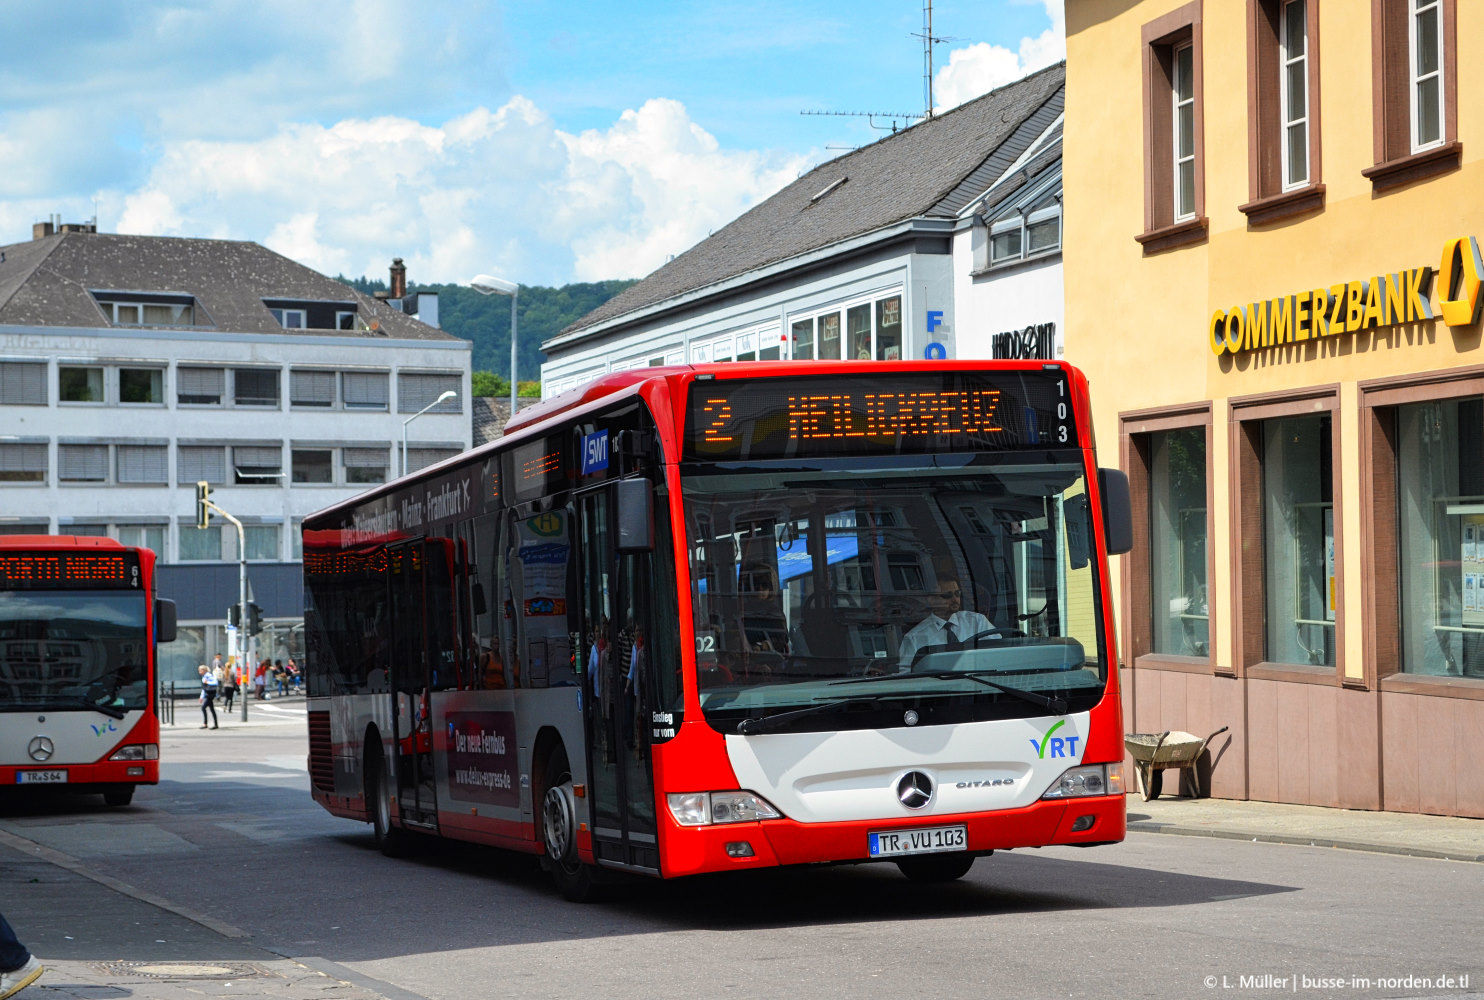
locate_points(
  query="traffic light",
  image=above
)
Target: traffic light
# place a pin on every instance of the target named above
(203, 512)
(234, 615)
(254, 618)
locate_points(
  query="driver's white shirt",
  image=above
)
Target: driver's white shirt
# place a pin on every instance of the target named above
(933, 631)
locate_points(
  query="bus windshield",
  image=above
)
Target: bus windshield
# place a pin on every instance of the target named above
(73, 649)
(835, 594)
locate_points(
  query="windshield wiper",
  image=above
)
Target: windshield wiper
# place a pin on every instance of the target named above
(111, 711)
(1055, 704)
(761, 724)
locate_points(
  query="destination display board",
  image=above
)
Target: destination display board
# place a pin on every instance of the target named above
(904, 413)
(69, 571)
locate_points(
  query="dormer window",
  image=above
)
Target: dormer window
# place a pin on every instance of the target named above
(146, 308)
(290, 319)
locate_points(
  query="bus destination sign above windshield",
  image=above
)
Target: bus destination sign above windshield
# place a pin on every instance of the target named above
(56, 570)
(855, 415)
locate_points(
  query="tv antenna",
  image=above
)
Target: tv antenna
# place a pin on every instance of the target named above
(928, 41)
(871, 115)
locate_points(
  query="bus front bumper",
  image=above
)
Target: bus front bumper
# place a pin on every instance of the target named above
(1089, 820)
(95, 775)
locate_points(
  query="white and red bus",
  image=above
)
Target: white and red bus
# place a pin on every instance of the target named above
(706, 618)
(79, 624)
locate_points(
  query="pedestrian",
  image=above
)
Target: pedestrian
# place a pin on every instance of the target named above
(260, 681)
(229, 686)
(296, 677)
(281, 676)
(208, 696)
(18, 967)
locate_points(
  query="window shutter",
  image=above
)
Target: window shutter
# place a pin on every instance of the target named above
(23, 458)
(312, 388)
(142, 463)
(257, 458)
(22, 383)
(365, 458)
(197, 464)
(83, 463)
(366, 390)
(201, 385)
(417, 391)
(421, 458)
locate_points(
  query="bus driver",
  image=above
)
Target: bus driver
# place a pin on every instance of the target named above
(946, 625)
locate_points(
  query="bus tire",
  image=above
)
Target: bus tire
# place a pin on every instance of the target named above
(936, 867)
(576, 880)
(120, 796)
(393, 841)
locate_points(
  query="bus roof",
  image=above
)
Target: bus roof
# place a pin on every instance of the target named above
(32, 542)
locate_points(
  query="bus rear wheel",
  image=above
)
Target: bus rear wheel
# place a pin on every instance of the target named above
(393, 841)
(576, 880)
(119, 796)
(936, 867)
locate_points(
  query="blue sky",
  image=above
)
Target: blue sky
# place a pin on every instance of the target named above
(547, 142)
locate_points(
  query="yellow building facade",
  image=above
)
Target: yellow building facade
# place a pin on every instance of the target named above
(1273, 281)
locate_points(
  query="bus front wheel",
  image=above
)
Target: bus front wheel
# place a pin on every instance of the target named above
(936, 867)
(575, 879)
(121, 796)
(393, 841)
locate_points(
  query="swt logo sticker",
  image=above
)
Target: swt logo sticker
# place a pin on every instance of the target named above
(1060, 746)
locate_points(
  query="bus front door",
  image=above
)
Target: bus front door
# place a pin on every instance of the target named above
(421, 584)
(616, 699)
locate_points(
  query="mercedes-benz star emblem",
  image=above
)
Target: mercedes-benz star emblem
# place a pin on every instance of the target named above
(915, 789)
(40, 748)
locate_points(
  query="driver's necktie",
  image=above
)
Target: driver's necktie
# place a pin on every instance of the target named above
(952, 634)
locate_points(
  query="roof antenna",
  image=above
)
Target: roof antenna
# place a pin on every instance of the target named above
(928, 41)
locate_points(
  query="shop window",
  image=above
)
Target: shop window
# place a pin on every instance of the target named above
(79, 385)
(889, 329)
(858, 328)
(829, 337)
(1414, 90)
(803, 335)
(1179, 582)
(1440, 508)
(1299, 572)
(747, 347)
(1174, 185)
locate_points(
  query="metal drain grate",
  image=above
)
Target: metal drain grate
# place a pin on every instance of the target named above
(183, 970)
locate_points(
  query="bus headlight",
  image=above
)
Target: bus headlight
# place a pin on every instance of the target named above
(706, 808)
(1091, 779)
(138, 751)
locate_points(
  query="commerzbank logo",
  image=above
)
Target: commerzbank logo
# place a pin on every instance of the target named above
(1059, 746)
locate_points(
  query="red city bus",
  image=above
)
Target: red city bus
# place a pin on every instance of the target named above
(78, 629)
(705, 618)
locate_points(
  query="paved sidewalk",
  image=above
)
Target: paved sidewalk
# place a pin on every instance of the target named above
(1413, 835)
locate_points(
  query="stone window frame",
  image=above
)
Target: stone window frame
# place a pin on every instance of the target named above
(1160, 38)
(1397, 164)
(1268, 201)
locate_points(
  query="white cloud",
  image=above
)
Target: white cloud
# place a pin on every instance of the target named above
(974, 71)
(503, 191)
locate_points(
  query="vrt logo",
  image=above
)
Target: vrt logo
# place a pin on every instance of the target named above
(1060, 746)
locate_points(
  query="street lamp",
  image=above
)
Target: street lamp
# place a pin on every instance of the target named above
(488, 284)
(447, 395)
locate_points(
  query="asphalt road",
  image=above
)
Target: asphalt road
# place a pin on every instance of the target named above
(232, 842)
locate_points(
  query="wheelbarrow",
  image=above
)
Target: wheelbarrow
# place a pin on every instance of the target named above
(1153, 753)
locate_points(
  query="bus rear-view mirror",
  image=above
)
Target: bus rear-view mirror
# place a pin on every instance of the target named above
(164, 620)
(1118, 513)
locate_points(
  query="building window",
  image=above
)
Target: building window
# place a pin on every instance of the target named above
(144, 536)
(22, 463)
(22, 383)
(255, 386)
(289, 319)
(889, 329)
(200, 386)
(1282, 109)
(201, 463)
(312, 465)
(365, 390)
(747, 347)
(82, 463)
(829, 337)
(1004, 241)
(311, 388)
(25, 528)
(416, 391)
(1179, 581)
(261, 541)
(421, 458)
(143, 464)
(80, 385)
(257, 465)
(141, 385)
(127, 309)
(345, 320)
(1440, 505)
(873, 329)
(803, 335)
(296, 540)
(1025, 235)
(1174, 185)
(1299, 540)
(365, 465)
(1415, 72)
(199, 544)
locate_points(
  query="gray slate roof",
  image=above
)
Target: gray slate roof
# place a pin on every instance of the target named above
(923, 171)
(49, 281)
